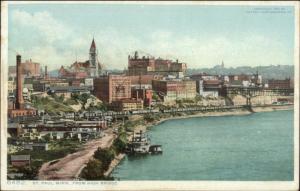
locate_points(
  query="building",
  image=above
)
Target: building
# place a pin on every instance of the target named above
(12, 71)
(36, 146)
(280, 84)
(19, 108)
(89, 82)
(150, 65)
(11, 85)
(80, 70)
(254, 80)
(29, 69)
(93, 61)
(208, 88)
(143, 81)
(73, 73)
(20, 160)
(171, 90)
(12, 113)
(143, 94)
(112, 88)
(127, 105)
(43, 84)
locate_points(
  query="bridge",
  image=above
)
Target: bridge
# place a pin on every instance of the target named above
(251, 92)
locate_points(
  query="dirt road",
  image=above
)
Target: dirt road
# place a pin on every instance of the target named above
(69, 167)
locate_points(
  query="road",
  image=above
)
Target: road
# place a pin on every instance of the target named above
(69, 167)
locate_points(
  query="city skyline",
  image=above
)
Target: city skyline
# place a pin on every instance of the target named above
(63, 33)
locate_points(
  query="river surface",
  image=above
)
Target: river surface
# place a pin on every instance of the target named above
(253, 147)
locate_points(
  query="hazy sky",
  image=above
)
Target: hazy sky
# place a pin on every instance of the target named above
(201, 36)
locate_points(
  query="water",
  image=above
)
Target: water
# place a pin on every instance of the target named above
(251, 147)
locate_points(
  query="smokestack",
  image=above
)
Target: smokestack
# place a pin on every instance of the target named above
(46, 73)
(19, 92)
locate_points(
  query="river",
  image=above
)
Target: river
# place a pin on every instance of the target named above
(251, 147)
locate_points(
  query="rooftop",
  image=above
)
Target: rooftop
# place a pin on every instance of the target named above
(19, 157)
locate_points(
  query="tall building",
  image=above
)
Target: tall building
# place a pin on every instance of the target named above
(93, 60)
(112, 88)
(149, 66)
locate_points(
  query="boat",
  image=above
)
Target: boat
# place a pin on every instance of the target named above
(141, 144)
(155, 149)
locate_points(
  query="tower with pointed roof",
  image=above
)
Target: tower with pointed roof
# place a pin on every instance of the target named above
(93, 60)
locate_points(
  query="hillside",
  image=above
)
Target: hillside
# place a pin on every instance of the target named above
(268, 72)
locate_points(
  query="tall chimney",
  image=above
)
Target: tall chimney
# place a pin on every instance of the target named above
(19, 92)
(46, 73)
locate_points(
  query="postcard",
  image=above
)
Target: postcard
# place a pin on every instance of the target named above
(185, 95)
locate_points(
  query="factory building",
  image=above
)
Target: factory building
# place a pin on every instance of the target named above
(111, 88)
(175, 89)
(19, 106)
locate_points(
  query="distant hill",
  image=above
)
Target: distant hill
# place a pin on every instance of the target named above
(268, 72)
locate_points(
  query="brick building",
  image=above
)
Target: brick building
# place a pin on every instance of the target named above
(19, 108)
(171, 90)
(29, 69)
(127, 104)
(20, 160)
(285, 84)
(150, 65)
(143, 94)
(112, 88)
(143, 81)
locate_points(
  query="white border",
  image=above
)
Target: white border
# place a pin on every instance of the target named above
(147, 185)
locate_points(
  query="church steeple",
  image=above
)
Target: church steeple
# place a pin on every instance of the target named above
(93, 45)
(93, 60)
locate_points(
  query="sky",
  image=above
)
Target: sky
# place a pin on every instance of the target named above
(201, 36)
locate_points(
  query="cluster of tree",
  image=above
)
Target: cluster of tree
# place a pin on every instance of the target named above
(26, 173)
(102, 158)
(151, 117)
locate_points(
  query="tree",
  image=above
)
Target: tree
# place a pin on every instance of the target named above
(120, 143)
(105, 156)
(93, 171)
(84, 97)
(29, 173)
(75, 96)
(149, 117)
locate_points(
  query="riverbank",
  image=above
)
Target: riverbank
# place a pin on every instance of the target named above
(236, 112)
(251, 147)
(114, 163)
(227, 113)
